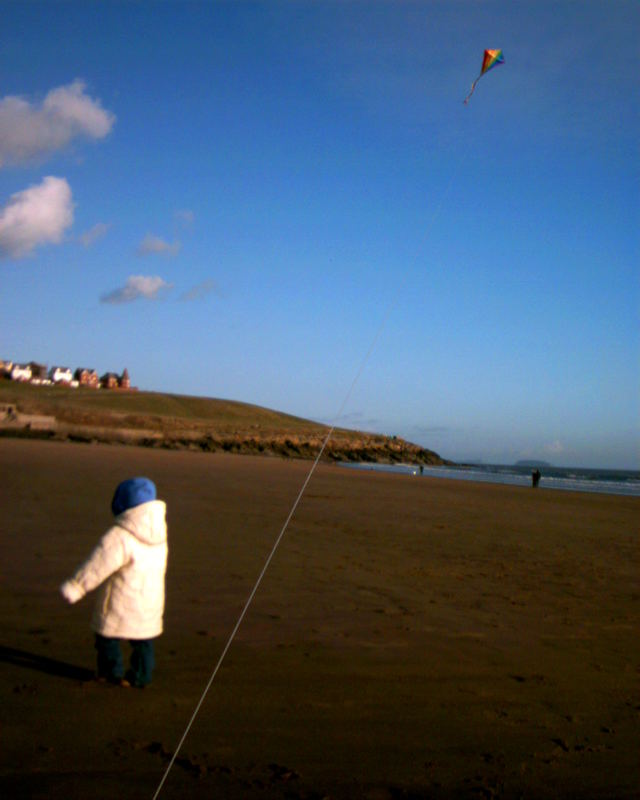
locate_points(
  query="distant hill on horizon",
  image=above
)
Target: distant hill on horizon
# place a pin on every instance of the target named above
(172, 421)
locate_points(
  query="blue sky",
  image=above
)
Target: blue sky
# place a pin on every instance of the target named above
(230, 199)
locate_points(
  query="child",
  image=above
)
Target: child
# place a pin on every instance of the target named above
(130, 562)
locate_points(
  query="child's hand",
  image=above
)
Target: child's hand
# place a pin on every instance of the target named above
(71, 591)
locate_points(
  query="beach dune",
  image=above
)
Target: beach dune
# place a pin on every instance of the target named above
(413, 637)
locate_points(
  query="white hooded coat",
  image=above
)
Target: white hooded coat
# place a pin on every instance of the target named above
(130, 562)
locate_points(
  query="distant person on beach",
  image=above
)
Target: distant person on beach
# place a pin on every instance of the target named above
(535, 477)
(129, 565)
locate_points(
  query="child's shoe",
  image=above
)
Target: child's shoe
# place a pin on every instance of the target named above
(130, 680)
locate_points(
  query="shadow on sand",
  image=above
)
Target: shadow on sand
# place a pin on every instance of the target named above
(43, 664)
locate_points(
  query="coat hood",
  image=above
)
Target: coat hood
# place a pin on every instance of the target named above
(132, 492)
(147, 522)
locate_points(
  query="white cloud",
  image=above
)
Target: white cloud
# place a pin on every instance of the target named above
(35, 216)
(137, 286)
(32, 130)
(154, 245)
(93, 234)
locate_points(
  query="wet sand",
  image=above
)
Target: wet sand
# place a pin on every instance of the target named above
(413, 637)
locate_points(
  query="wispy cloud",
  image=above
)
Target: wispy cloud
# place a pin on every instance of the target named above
(184, 217)
(35, 216)
(33, 130)
(154, 245)
(554, 448)
(93, 234)
(200, 291)
(146, 287)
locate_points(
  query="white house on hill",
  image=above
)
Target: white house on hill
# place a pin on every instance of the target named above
(61, 375)
(21, 372)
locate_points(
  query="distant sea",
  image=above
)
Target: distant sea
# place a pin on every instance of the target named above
(604, 481)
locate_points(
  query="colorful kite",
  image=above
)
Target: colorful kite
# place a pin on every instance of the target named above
(492, 58)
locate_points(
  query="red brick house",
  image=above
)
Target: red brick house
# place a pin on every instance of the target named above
(87, 377)
(109, 381)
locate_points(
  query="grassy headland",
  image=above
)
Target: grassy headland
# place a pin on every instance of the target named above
(172, 421)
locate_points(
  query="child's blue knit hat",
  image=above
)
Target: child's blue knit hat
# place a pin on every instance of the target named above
(131, 493)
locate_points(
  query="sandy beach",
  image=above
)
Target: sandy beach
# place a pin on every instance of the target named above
(413, 637)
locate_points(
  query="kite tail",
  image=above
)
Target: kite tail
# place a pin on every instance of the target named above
(473, 88)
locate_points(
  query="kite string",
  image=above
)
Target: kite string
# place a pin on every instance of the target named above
(268, 561)
(387, 314)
